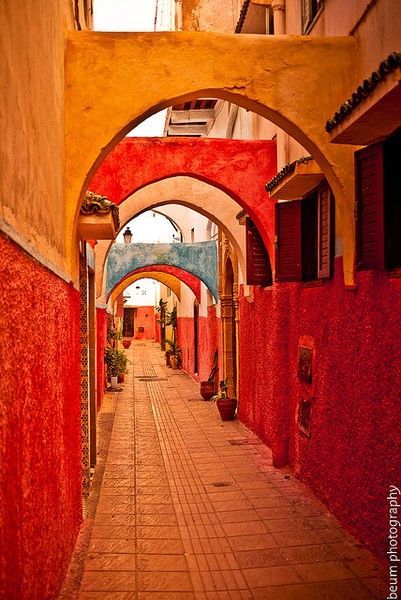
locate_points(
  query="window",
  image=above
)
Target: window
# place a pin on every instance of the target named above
(304, 237)
(310, 8)
(258, 269)
(192, 235)
(378, 195)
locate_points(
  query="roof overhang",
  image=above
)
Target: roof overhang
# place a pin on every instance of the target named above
(373, 112)
(296, 180)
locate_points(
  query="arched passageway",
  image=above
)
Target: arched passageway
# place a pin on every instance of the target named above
(199, 259)
(193, 193)
(250, 81)
(169, 275)
(237, 168)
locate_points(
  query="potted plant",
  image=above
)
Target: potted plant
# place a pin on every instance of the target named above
(208, 387)
(226, 406)
(116, 362)
(174, 355)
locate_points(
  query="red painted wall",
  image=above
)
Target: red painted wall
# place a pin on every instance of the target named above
(40, 447)
(209, 333)
(101, 343)
(238, 167)
(352, 456)
(145, 317)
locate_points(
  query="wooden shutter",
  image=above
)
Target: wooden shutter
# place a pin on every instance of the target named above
(258, 268)
(324, 227)
(370, 207)
(288, 235)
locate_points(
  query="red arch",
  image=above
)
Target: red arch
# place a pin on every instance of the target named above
(240, 168)
(190, 280)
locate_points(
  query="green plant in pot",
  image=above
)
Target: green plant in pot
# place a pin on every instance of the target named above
(116, 362)
(174, 354)
(226, 406)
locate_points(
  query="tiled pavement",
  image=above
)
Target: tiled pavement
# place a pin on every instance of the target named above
(191, 508)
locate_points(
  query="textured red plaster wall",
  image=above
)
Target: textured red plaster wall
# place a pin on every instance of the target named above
(144, 317)
(101, 343)
(238, 167)
(40, 508)
(353, 454)
(208, 336)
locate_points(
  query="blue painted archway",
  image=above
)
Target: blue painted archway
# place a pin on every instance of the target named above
(199, 258)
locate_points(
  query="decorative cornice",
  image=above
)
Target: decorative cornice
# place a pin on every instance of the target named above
(392, 62)
(285, 171)
(242, 16)
(95, 204)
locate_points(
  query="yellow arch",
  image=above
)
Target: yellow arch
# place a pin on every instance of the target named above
(167, 279)
(115, 80)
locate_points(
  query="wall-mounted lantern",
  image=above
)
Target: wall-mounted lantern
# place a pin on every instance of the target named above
(127, 235)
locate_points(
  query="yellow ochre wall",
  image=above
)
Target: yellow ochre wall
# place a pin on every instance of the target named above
(32, 38)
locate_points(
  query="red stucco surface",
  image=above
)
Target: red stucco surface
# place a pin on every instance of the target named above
(208, 332)
(238, 167)
(352, 456)
(101, 342)
(40, 507)
(144, 318)
(190, 280)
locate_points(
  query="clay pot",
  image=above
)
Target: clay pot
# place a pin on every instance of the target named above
(120, 378)
(227, 408)
(126, 344)
(168, 355)
(173, 361)
(113, 380)
(207, 389)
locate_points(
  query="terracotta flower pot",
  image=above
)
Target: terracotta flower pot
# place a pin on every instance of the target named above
(126, 344)
(168, 355)
(207, 389)
(227, 408)
(120, 378)
(174, 361)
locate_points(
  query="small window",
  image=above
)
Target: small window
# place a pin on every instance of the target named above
(304, 234)
(310, 8)
(378, 195)
(192, 235)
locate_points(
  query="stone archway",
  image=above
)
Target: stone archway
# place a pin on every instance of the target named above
(198, 195)
(169, 275)
(264, 74)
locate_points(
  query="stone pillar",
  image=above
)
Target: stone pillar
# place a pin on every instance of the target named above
(226, 313)
(278, 7)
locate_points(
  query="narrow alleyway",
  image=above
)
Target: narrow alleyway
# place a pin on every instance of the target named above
(186, 506)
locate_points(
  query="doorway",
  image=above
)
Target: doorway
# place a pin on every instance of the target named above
(128, 322)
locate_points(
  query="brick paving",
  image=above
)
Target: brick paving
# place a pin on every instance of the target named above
(190, 507)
